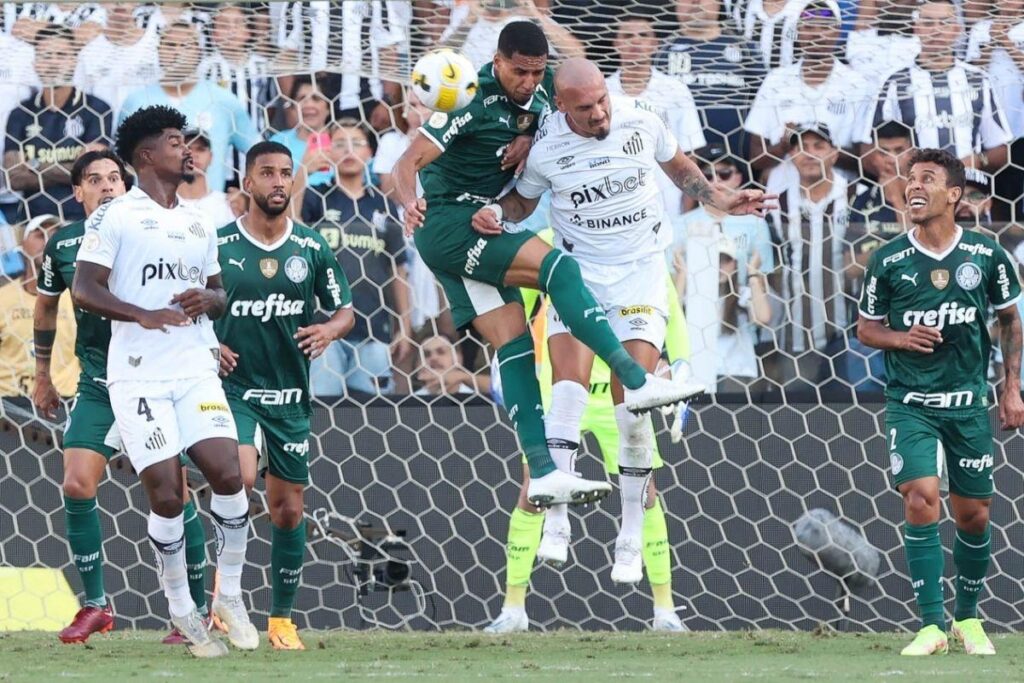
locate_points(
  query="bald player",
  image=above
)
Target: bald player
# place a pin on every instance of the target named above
(598, 156)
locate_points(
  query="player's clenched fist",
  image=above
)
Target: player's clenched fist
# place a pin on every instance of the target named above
(921, 339)
(1011, 409)
(196, 301)
(486, 221)
(228, 360)
(414, 213)
(162, 319)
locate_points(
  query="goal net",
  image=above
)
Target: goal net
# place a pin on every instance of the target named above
(780, 508)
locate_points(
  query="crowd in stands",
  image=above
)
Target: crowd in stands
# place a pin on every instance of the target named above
(818, 101)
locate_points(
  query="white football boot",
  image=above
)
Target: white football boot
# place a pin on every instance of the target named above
(562, 487)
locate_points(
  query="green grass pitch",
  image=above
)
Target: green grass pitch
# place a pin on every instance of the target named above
(559, 657)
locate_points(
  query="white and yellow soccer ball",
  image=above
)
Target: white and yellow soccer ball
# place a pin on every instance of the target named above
(444, 80)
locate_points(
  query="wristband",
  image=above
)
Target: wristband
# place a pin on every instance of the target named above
(43, 340)
(496, 208)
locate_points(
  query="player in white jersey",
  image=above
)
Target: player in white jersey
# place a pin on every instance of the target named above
(149, 264)
(598, 155)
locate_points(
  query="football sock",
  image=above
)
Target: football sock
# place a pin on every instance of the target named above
(925, 563)
(195, 556)
(562, 429)
(167, 535)
(971, 554)
(636, 453)
(518, 367)
(521, 550)
(231, 517)
(82, 520)
(287, 551)
(560, 277)
(657, 558)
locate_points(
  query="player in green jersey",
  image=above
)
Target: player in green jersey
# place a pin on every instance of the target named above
(90, 436)
(275, 271)
(925, 303)
(463, 165)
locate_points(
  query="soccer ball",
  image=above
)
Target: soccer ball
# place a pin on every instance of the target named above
(444, 80)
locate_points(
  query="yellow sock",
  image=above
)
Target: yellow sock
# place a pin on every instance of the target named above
(515, 596)
(524, 531)
(657, 556)
(662, 593)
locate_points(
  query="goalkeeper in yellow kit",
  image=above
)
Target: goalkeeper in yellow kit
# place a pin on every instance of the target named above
(526, 542)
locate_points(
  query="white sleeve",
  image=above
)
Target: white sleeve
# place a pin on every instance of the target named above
(763, 118)
(212, 262)
(665, 143)
(686, 123)
(532, 183)
(102, 240)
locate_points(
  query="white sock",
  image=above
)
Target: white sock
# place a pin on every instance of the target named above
(167, 536)
(562, 430)
(636, 456)
(231, 524)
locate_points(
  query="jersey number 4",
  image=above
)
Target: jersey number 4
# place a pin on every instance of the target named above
(144, 410)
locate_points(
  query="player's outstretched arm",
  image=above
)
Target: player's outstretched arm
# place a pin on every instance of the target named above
(44, 333)
(421, 152)
(688, 178)
(91, 292)
(876, 334)
(210, 301)
(512, 207)
(1011, 407)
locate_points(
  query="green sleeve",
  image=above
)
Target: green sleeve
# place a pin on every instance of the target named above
(331, 285)
(677, 338)
(444, 129)
(1003, 282)
(874, 300)
(51, 282)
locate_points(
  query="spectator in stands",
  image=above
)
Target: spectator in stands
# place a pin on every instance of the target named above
(361, 225)
(50, 129)
(721, 265)
(768, 24)
(394, 142)
(442, 371)
(636, 43)
(197, 192)
(811, 221)
(884, 41)
(817, 88)
(17, 77)
(477, 34)
(975, 209)
(310, 139)
(719, 67)
(17, 302)
(121, 59)
(208, 107)
(949, 104)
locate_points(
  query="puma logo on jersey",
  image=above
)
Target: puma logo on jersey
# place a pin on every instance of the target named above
(908, 278)
(506, 120)
(240, 264)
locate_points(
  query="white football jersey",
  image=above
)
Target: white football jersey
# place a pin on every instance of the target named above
(605, 204)
(154, 253)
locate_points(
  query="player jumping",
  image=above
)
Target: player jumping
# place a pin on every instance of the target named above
(925, 303)
(150, 265)
(598, 155)
(464, 161)
(274, 272)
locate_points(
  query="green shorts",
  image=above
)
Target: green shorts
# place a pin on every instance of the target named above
(90, 422)
(941, 443)
(283, 442)
(599, 421)
(470, 267)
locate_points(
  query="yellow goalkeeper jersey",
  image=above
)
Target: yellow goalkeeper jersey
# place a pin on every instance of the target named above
(17, 355)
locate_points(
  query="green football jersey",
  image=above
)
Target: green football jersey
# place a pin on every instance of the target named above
(474, 138)
(58, 273)
(272, 290)
(907, 285)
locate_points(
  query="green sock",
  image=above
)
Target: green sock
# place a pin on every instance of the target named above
(195, 556)
(971, 554)
(524, 530)
(657, 556)
(82, 519)
(925, 563)
(287, 551)
(517, 364)
(560, 277)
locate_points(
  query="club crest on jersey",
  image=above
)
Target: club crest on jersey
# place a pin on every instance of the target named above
(296, 269)
(940, 278)
(268, 266)
(968, 276)
(523, 121)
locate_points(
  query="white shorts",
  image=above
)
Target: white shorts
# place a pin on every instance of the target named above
(634, 296)
(159, 420)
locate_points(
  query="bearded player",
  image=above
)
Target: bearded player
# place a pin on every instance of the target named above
(925, 303)
(463, 164)
(275, 271)
(606, 213)
(149, 264)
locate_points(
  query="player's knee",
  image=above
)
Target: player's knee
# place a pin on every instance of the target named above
(166, 501)
(78, 485)
(921, 507)
(973, 519)
(287, 514)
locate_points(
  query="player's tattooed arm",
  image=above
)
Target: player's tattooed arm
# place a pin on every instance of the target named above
(1011, 407)
(688, 178)
(91, 292)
